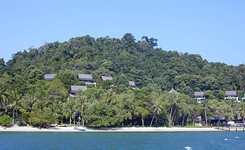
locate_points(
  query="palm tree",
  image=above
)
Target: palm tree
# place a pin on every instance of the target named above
(69, 108)
(4, 101)
(157, 105)
(81, 105)
(243, 111)
(172, 105)
(141, 104)
(15, 103)
(4, 94)
(205, 111)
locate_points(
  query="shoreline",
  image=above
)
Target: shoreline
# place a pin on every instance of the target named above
(110, 130)
(155, 129)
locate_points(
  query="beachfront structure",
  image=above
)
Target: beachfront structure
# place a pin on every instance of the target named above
(106, 78)
(231, 95)
(217, 120)
(243, 98)
(49, 77)
(87, 79)
(75, 89)
(132, 84)
(199, 96)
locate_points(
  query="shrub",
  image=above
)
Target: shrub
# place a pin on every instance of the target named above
(41, 120)
(5, 121)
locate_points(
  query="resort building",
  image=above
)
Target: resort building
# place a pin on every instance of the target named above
(132, 84)
(243, 98)
(75, 89)
(231, 95)
(217, 120)
(87, 79)
(49, 77)
(173, 91)
(199, 96)
(106, 78)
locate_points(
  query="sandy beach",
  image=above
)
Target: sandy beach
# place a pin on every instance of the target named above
(32, 129)
(155, 129)
(126, 129)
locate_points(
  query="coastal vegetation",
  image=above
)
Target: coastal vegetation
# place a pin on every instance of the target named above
(165, 83)
(5, 120)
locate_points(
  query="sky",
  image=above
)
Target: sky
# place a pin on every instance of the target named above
(215, 29)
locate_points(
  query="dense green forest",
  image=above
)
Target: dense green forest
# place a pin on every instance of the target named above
(26, 98)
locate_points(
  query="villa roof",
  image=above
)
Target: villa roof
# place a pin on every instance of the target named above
(231, 93)
(199, 94)
(216, 118)
(49, 76)
(173, 91)
(76, 88)
(90, 83)
(85, 77)
(131, 83)
(106, 78)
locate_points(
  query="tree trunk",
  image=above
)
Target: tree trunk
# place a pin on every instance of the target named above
(142, 121)
(74, 120)
(13, 115)
(82, 115)
(173, 117)
(193, 121)
(156, 122)
(183, 121)
(206, 118)
(83, 122)
(170, 117)
(153, 117)
(70, 120)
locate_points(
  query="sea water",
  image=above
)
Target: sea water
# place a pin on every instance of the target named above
(123, 141)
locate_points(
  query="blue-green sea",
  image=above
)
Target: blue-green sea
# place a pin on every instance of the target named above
(123, 141)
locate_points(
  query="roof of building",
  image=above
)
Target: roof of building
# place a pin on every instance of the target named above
(173, 91)
(85, 77)
(77, 88)
(90, 83)
(199, 94)
(49, 76)
(131, 83)
(105, 78)
(216, 118)
(230, 93)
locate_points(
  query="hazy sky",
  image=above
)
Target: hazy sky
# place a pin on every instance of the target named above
(213, 28)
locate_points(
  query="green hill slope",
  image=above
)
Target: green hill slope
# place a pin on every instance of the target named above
(128, 59)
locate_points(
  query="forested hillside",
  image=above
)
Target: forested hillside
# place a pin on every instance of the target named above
(26, 96)
(128, 59)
